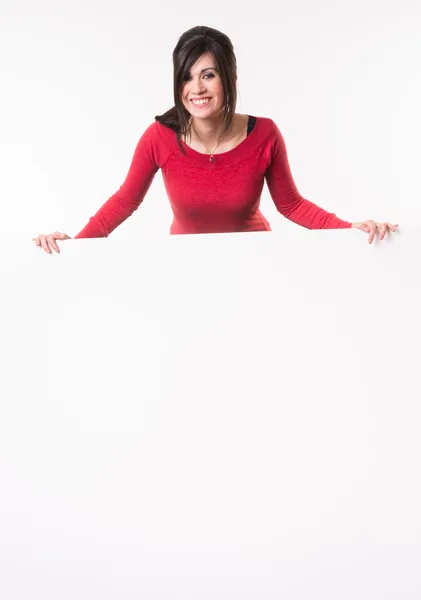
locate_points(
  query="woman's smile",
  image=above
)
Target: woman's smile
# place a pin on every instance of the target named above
(201, 102)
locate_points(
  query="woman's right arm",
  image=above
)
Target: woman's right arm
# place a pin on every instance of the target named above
(130, 195)
(124, 202)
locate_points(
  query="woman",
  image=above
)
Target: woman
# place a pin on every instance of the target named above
(214, 161)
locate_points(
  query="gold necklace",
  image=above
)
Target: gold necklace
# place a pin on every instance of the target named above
(211, 153)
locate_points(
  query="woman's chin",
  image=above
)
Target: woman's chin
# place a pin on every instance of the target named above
(205, 114)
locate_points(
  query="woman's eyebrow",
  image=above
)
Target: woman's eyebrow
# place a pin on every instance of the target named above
(207, 68)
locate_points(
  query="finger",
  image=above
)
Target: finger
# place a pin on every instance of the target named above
(373, 230)
(391, 226)
(45, 245)
(53, 244)
(382, 230)
(36, 240)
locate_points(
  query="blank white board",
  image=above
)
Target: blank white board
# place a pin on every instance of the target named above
(228, 416)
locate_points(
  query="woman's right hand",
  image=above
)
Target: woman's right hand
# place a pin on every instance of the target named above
(48, 241)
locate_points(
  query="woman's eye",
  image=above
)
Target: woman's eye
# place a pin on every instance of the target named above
(211, 75)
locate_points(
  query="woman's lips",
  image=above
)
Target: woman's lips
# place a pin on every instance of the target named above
(201, 105)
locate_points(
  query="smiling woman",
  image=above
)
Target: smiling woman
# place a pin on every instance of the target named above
(214, 161)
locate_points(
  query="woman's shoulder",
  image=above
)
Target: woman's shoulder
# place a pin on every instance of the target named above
(266, 128)
(163, 132)
(156, 133)
(266, 123)
(263, 119)
(153, 140)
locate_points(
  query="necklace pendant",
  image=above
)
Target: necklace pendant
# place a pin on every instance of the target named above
(211, 158)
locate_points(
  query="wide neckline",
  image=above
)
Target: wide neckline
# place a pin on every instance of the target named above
(222, 158)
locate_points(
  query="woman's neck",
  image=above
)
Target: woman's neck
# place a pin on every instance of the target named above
(210, 131)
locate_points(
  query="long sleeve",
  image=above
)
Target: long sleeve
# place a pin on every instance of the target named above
(286, 197)
(132, 192)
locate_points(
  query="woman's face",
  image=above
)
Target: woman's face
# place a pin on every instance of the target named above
(203, 81)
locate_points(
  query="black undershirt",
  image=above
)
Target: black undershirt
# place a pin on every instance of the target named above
(251, 124)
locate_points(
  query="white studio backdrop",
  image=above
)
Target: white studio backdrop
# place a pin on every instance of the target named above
(233, 416)
(81, 81)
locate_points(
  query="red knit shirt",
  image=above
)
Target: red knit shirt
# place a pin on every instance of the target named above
(212, 197)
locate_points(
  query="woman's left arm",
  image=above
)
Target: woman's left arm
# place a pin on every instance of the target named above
(294, 207)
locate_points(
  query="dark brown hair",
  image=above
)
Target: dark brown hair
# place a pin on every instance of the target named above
(190, 47)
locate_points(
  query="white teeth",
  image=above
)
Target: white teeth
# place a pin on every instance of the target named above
(200, 101)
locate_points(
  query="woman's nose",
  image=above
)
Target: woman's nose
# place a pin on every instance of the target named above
(198, 87)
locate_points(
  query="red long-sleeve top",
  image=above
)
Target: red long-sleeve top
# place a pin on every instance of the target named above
(212, 197)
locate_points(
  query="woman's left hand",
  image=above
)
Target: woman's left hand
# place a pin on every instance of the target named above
(371, 227)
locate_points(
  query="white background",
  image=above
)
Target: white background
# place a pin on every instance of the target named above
(232, 416)
(81, 81)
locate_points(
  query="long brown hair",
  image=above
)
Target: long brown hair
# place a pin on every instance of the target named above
(190, 47)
